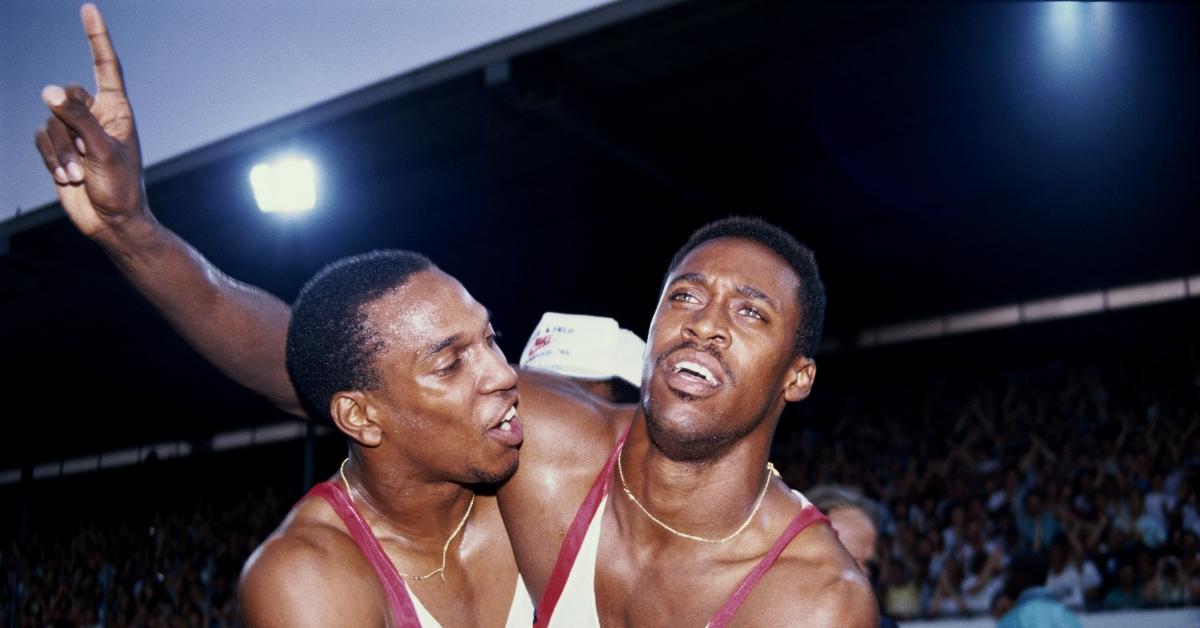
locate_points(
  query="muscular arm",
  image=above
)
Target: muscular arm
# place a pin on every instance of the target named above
(90, 147)
(241, 329)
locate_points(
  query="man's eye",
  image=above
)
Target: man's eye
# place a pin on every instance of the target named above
(491, 338)
(685, 297)
(449, 368)
(752, 312)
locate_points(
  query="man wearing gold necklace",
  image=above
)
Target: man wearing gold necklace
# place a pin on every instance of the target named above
(700, 531)
(404, 362)
(692, 528)
(400, 358)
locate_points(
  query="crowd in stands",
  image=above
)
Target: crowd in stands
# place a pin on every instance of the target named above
(172, 569)
(1090, 459)
(133, 557)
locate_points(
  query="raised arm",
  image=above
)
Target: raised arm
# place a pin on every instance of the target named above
(90, 147)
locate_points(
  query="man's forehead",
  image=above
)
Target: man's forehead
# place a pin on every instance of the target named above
(427, 309)
(744, 261)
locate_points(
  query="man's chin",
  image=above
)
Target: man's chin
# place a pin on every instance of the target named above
(681, 433)
(497, 475)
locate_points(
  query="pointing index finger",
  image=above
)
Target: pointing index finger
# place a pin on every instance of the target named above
(104, 58)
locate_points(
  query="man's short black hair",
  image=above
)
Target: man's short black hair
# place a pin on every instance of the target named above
(330, 346)
(810, 296)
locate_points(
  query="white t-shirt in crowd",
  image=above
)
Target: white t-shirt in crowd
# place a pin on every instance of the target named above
(1069, 584)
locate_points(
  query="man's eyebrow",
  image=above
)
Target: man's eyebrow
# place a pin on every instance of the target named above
(692, 277)
(438, 346)
(754, 293)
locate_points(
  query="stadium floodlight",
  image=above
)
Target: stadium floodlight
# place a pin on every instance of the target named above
(286, 185)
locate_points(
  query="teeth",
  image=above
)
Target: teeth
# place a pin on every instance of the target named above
(697, 369)
(506, 422)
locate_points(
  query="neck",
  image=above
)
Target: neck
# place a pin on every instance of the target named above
(708, 498)
(398, 505)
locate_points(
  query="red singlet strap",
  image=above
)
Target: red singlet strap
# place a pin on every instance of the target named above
(806, 517)
(574, 539)
(397, 594)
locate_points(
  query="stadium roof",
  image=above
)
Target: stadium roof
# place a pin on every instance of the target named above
(938, 159)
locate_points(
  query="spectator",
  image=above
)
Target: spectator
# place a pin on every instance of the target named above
(855, 519)
(1189, 552)
(1073, 579)
(902, 597)
(1033, 605)
(1036, 526)
(1170, 585)
(1126, 594)
(947, 597)
(984, 580)
(1147, 527)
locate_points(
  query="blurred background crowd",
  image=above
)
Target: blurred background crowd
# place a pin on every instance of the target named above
(1084, 451)
(164, 549)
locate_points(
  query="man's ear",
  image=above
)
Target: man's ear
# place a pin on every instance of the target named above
(353, 414)
(800, 378)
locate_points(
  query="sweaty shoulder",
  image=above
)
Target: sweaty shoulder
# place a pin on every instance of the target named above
(309, 572)
(569, 434)
(565, 424)
(815, 582)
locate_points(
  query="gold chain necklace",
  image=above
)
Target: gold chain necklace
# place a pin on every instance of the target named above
(440, 570)
(757, 504)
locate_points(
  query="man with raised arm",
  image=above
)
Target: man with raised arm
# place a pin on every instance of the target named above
(401, 359)
(698, 530)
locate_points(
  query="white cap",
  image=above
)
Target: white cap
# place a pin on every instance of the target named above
(585, 347)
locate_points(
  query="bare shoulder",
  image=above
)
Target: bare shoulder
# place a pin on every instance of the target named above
(569, 433)
(814, 583)
(309, 572)
(565, 425)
